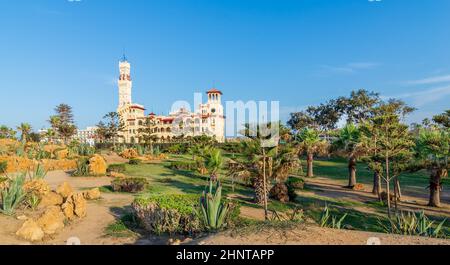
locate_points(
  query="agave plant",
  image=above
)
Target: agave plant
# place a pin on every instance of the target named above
(413, 224)
(330, 221)
(13, 195)
(39, 172)
(214, 211)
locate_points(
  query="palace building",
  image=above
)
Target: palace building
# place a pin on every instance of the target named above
(208, 119)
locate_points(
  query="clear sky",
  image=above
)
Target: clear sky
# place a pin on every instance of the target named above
(299, 52)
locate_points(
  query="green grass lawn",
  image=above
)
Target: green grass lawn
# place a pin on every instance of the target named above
(336, 168)
(163, 180)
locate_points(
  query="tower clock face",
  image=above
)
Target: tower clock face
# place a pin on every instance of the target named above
(213, 110)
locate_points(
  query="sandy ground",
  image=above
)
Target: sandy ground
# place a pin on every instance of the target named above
(313, 235)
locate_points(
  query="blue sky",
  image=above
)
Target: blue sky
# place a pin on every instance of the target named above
(299, 52)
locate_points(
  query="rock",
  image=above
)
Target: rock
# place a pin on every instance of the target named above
(31, 231)
(79, 204)
(93, 194)
(97, 166)
(117, 175)
(22, 218)
(51, 199)
(62, 154)
(52, 221)
(67, 209)
(37, 187)
(65, 190)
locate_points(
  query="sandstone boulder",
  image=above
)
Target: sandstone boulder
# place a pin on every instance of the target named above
(97, 165)
(62, 154)
(30, 231)
(67, 209)
(52, 220)
(79, 204)
(93, 194)
(65, 190)
(117, 175)
(51, 199)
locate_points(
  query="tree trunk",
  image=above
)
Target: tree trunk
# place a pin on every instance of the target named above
(376, 183)
(309, 161)
(352, 172)
(435, 187)
(388, 190)
(258, 185)
(266, 213)
(398, 190)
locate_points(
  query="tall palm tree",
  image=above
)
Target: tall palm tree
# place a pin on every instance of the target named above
(25, 130)
(309, 143)
(349, 142)
(433, 147)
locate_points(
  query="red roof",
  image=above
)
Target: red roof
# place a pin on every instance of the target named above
(214, 90)
(137, 107)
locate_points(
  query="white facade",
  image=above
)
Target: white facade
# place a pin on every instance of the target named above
(87, 136)
(208, 120)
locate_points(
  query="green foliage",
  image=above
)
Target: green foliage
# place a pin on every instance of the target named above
(3, 166)
(82, 167)
(77, 149)
(309, 142)
(135, 161)
(183, 165)
(131, 185)
(296, 183)
(213, 161)
(20, 150)
(214, 210)
(178, 149)
(118, 168)
(39, 172)
(414, 224)
(331, 221)
(169, 213)
(13, 195)
(433, 146)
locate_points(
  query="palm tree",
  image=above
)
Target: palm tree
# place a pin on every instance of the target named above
(274, 164)
(25, 130)
(349, 142)
(433, 147)
(309, 143)
(213, 162)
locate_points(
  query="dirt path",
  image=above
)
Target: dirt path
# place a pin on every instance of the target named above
(335, 189)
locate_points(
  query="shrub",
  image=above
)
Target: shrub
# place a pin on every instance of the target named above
(183, 165)
(414, 225)
(135, 161)
(82, 167)
(169, 213)
(3, 166)
(178, 149)
(13, 195)
(295, 183)
(132, 185)
(280, 192)
(118, 168)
